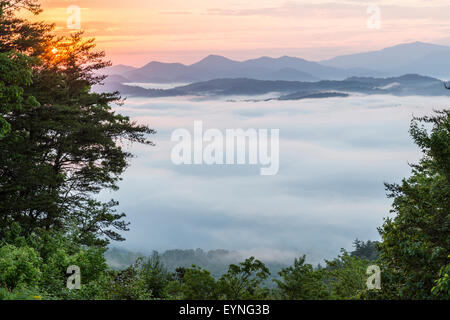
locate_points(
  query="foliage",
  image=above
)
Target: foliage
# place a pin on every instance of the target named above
(19, 266)
(198, 284)
(23, 293)
(193, 283)
(20, 35)
(441, 290)
(41, 261)
(155, 276)
(365, 250)
(416, 241)
(215, 261)
(129, 284)
(8, 6)
(301, 282)
(15, 74)
(90, 261)
(243, 281)
(346, 276)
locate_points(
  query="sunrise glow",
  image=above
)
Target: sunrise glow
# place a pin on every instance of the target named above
(136, 31)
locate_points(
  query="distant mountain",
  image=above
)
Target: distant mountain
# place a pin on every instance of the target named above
(117, 69)
(289, 74)
(215, 67)
(215, 62)
(321, 95)
(436, 64)
(125, 90)
(417, 57)
(117, 78)
(410, 58)
(159, 72)
(313, 68)
(401, 86)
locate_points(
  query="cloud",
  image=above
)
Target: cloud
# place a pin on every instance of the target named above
(335, 155)
(137, 31)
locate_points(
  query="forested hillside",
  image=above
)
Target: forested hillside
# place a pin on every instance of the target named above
(216, 261)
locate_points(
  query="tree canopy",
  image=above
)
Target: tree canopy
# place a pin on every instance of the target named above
(65, 143)
(416, 242)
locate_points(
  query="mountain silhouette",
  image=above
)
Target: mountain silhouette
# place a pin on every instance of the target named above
(417, 57)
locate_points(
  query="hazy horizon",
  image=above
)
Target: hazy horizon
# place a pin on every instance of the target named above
(136, 32)
(274, 56)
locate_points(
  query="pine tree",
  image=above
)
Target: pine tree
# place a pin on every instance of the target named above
(66, 146)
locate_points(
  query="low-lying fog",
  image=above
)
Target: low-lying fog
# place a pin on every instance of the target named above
(335, 155)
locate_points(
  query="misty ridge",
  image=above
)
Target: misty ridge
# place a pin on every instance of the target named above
(407, 69)
(217, 261)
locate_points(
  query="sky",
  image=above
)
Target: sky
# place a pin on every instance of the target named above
(135, 32)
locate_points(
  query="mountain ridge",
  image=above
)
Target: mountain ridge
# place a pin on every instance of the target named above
(399, 59)
(410, 84)
(416, 57)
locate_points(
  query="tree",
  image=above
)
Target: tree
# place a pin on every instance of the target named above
(301, 282)
(155, 276)
(64, 144)
(416, 241)
(15, 68)
(21, 35)
(63, 150)
(63, 254)
(243, 281)
(441, 290)
(15, 74)
(9, 6)
(346, 276)
(129, 284)
(199, 285)
(19, 266)
(365, 250)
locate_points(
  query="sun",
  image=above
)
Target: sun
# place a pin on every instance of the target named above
(54, 51)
